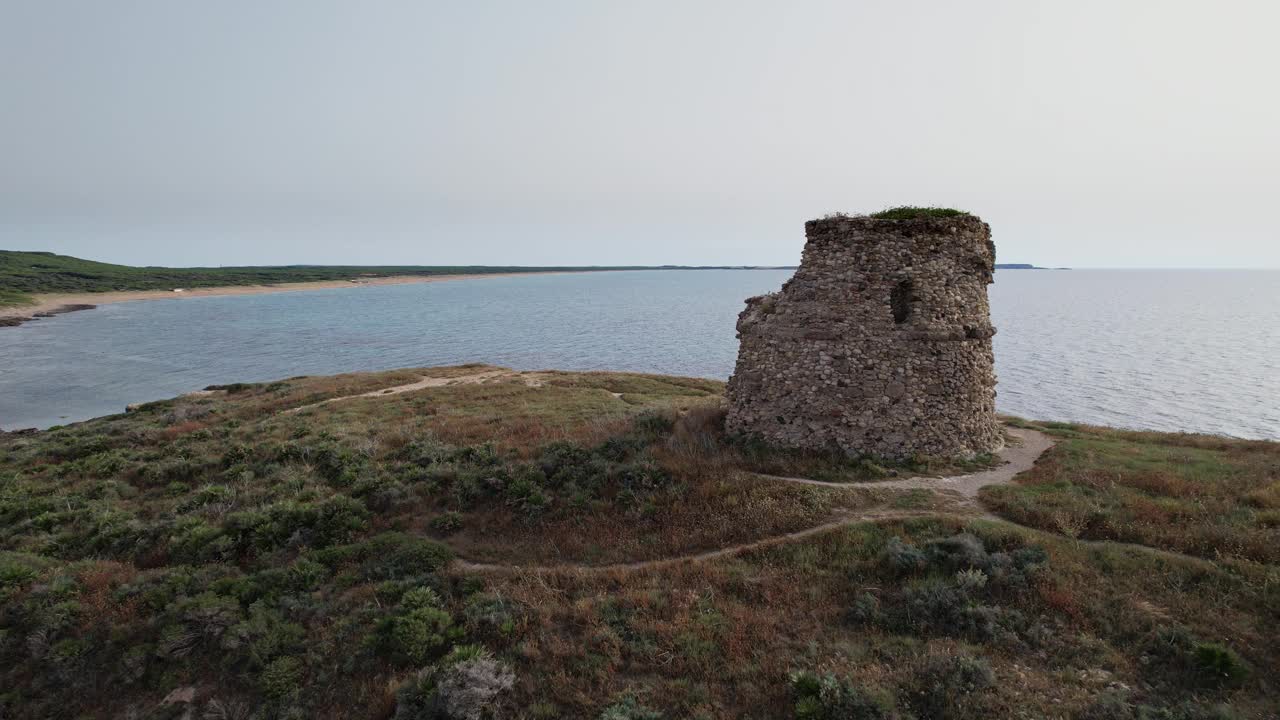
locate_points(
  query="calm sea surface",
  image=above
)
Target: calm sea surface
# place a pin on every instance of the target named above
(1157, 349)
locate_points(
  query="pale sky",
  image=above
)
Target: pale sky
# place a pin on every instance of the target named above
(1089, 133)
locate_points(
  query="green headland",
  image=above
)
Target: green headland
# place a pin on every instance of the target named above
(23, 274)
(474, 542)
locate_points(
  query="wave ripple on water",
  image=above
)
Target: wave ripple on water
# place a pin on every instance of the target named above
(1160, 350)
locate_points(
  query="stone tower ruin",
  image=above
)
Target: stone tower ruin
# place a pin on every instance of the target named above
(880, 344)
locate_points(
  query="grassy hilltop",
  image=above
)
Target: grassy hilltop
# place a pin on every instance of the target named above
(451, 540)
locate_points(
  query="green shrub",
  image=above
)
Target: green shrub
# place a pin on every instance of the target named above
(963, 551)
(902, 558)
(339, 518)
(620, 447)
(236, 455)
(1187, 711)
(1204, 663)
(471, 484)
(943, 607)
(427, 451)
(527, 496)
(281, 677)
(642, 475)
(209, 615)
(951, 686)
(171, 469)
(416, 697)
(421, 630)
(826, 697)
(421, 597)
(233, 388)
(1108, 706)
(912, 212)
(568, 466)
(306, 574)
(339, 465)
(654, 424)
(262, 637)
(447, 523)
(1117, 706)
(193, 540)
(471, 686)
(629, 708)
(14, 575)
(102, 465)
(396, 556)
(865, 610)
(485, 455)
(334, 520)
(491, 616)
(1218, 662)
(208, 495)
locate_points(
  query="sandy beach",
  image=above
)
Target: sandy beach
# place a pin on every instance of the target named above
(57, 303)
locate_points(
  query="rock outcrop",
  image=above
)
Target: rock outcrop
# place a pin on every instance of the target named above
(879, 345)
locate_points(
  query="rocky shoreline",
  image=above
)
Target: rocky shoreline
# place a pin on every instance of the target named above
(16, 320)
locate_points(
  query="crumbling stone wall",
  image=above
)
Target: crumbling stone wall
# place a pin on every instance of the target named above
(879, 344)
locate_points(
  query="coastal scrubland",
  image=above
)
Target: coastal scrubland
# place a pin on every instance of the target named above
(494, 544)
(14, 298)
(25, 273)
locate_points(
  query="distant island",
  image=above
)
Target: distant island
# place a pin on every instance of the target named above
(42, 284)
(1023, 266)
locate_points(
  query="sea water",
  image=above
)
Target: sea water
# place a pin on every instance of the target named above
(1193, 350)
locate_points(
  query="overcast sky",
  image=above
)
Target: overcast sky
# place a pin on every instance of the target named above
(1089, 133)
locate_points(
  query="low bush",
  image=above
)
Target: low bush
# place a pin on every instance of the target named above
(1117, 706)
(471, 685)
(629, 708)
(281, 677)
(491, 616)
(564, 463)
(951, 686)
(902, 558)
(389, 556)
(826, 697)
(262, 637)
(959, 594)
(421, 630)
(473, 689)
(912, 212)
(1202, 663)
(447, 522)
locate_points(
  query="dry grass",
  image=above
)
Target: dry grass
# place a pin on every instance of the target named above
(1200, 495)
(702, 515)
(108, 527)
(718, 639)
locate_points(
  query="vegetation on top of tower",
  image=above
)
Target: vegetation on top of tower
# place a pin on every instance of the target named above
(911, 212)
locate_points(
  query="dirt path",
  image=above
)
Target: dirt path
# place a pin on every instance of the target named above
(1018, 458)
(532, 379)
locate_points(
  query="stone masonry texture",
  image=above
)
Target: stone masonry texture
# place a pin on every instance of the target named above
(880, 344)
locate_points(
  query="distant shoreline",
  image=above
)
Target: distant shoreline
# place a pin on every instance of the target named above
(50, 304)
